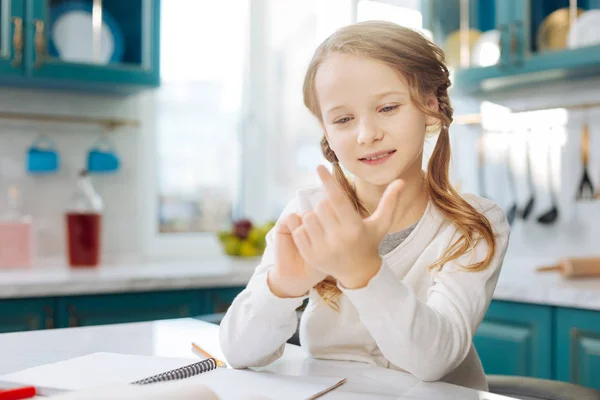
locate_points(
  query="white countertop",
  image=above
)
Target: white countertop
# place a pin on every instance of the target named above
(173, 338)
(518, 280)
(60, 280)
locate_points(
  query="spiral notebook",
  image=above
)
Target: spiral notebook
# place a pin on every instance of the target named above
(105, 369)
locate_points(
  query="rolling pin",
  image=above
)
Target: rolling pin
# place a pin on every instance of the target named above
(575, 267)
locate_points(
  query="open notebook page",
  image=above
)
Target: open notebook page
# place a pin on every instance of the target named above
(97, 369)
(111, 370)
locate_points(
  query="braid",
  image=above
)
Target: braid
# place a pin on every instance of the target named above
(327, 152)
(444, 103)
(471, 224)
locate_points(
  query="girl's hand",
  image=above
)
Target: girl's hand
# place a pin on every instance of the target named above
(336, 240)
(291, 276)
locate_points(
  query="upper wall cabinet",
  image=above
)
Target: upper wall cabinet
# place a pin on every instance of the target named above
(499, 44)
(97, 45)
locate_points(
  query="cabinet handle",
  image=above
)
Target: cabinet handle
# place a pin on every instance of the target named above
(503, 29)
(515, 45)
(40, 43)
(73, 321)
(33, 323)
(184, 311)
(49, 318)
(17, 42)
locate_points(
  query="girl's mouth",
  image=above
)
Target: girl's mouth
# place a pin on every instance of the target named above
(378, 158)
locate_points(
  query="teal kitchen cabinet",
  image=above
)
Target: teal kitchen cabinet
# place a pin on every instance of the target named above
(521, 58)
(129, 307)
(445, 19)
(26, 314)
(577, 347)
(61, 44)
(539, 58)
(12, 16)
(220, 299)
(134, 59)
(516, 339)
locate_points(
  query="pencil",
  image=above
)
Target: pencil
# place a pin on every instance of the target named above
(207, 355)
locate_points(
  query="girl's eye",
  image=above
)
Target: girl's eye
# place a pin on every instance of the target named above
(342, 120)
(389, 108)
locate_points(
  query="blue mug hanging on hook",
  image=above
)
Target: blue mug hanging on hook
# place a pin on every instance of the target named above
(42, 156)
(102, 157)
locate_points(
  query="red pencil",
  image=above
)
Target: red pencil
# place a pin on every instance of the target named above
(18, 393)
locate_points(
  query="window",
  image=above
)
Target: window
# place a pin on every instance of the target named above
(198, 113)
(403, 12)
(294, 134)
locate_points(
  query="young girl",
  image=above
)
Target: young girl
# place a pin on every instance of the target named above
(399, 269)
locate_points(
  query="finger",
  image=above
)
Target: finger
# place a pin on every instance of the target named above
(381, 219)
(302, 243)
(313, 227)
(341, 204)
(289, 223)
(326, 216)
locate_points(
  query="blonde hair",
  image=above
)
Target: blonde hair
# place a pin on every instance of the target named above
(422, 64)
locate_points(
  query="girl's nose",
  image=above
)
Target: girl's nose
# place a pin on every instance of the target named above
(369, 132)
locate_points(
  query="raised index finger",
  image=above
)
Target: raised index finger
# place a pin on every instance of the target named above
(340, 203)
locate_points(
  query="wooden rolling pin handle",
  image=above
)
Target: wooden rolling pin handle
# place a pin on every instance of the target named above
(575, 267)
(549, 268)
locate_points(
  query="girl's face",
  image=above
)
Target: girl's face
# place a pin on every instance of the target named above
(370, 122)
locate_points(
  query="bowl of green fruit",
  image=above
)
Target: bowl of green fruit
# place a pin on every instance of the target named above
(245, 239)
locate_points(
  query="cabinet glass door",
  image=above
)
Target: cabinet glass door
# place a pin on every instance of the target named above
(11, 37)
(471, 32)
(71, 39)
(558, 25)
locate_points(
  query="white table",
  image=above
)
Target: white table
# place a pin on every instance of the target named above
(173, 338)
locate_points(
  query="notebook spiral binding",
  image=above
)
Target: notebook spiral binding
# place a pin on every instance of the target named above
(181, 373)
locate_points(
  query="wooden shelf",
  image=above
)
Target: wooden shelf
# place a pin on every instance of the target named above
(475, 119)
(108, 123)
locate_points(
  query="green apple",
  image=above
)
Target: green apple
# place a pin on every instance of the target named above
(232, 246)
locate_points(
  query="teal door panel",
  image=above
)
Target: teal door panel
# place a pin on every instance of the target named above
(12, 38)
(483, 16)
(26, 314)
(130, 58)
(528, 59)
(220, 299)
(578, 347)
(515, 339)
(129, 307)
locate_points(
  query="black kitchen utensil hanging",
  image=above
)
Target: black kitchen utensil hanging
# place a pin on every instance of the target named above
(585, 191)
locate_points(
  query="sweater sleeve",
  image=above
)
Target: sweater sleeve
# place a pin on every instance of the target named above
(257, 325)
(431, 338)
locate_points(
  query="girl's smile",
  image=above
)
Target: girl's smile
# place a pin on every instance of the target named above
(378, 158)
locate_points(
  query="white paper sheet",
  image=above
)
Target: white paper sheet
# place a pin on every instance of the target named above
(109, 371)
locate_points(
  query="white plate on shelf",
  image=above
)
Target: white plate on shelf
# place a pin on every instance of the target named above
(585, 30)
(486, 51)
(72, 35)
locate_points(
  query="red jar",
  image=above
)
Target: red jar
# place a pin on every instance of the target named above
(84, 224)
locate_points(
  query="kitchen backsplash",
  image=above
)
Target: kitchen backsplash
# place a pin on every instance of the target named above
(125, 193)
(576, 231)
(45, 197)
